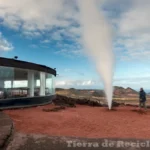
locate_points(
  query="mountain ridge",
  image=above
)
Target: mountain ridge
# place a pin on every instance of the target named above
(117, 92)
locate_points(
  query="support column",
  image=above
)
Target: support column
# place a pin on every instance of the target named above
(53, 78)
(12, 84)
(34, 82)
(42, 83)
(50, 84)
(2, 84)
(31, 83)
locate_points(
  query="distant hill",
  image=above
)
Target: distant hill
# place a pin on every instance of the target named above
(59, 89)
(118, 92)
(124, 92)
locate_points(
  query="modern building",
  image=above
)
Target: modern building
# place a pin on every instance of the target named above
(25, 83)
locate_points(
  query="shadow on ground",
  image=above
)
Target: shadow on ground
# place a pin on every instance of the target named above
(142, 112)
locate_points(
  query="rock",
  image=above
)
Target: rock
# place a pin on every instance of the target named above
(122, 104)
(81, 101)
(131, 105)
(115, 104)
(63, 100)
(54, 109)
(104, 105)
(71, 102)
(94, 103)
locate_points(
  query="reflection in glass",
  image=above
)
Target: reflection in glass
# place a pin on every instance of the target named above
(6, 82)
(49, 83)
(17, 82)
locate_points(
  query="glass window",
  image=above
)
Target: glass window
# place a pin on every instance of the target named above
(49, 84)
(17, 82)
(6, 82)
(20, 83)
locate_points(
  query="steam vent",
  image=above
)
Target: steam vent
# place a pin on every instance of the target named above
(24, 84)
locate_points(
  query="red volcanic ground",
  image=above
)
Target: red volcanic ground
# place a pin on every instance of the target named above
(83, 121)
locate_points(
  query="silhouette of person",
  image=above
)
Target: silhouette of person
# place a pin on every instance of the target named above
(142, 98)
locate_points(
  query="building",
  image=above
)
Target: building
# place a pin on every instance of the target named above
(25, 84)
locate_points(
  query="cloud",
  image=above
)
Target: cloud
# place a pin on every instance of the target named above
(32, 15)
(29, 13)
(59, 20)
(56, 36)
(131, 25)
(33, 46)
(133, 79)
(70, 53)
(74, 83)
(45, 41)
(136, 20)
(70, 50)
(134, 31)
(67, 70)
(133, 82)
(31, 34)
(4, 44)
(55, 20)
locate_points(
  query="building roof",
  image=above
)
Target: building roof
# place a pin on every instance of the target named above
(25, 65)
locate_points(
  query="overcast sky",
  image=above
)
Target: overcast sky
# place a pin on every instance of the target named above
(49, 32)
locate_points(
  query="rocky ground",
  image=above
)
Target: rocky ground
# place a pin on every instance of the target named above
(6, 126)
(72, 123)
(71, 102)
(83, 121)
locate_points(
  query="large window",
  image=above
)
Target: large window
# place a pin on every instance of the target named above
(17, 82)
(20, 83)
(6, 82)
(49, 84)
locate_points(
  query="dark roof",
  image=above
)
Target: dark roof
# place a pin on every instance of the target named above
(25, 65)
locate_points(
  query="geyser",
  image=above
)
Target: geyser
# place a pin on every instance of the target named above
(97, 38)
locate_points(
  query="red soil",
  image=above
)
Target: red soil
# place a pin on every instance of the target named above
(83, 121)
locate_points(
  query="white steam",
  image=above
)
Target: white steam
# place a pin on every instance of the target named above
(97, 39)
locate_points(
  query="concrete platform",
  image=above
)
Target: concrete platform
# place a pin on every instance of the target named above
(44, 142)
(6, 126)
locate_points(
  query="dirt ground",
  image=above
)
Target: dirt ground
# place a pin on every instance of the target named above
(83, 121)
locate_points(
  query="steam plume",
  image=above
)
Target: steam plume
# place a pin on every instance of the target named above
(97, 39)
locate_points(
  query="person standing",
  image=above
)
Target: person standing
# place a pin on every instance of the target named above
(142, 99)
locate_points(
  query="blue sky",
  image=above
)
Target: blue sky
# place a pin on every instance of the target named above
(49, 32)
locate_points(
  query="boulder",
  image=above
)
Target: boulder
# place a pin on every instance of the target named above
(115, 104)
(94, 104)
(54, 109)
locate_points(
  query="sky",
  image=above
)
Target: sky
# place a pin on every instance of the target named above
(49, 32)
